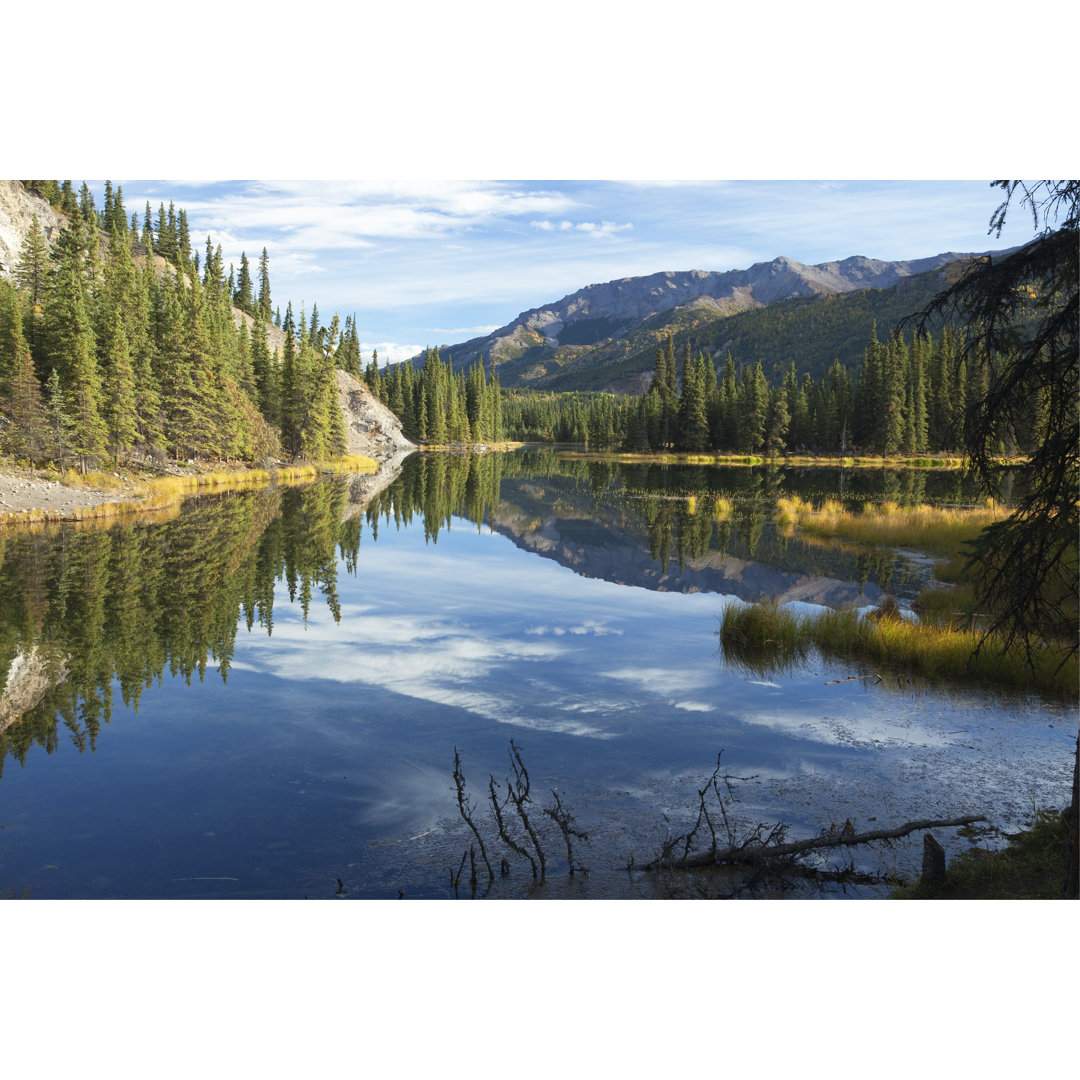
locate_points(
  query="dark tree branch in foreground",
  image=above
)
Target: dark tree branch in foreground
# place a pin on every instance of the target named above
(749, 853)
(1023, 331)
(465, 808)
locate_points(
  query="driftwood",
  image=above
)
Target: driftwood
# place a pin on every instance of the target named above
(759, 852)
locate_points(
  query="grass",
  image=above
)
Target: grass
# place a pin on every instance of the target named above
(942, 530)
(766, 637)
(1032, 867)
(834, 460)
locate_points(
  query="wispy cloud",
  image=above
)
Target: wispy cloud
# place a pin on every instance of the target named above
(595, 229)
(392, 351)
(462, 330)
(439, 261)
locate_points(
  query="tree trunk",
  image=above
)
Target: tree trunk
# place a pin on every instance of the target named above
(757, 853)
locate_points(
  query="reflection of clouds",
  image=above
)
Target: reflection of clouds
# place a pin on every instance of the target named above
(414, 797)
(443, 661)
(665, 681)
(875, 728)
(473, 623)
(592, 627)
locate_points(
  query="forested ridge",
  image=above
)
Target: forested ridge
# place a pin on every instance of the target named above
(119, 342)
(909, 396)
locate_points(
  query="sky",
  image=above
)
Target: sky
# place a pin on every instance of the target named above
(436, 262)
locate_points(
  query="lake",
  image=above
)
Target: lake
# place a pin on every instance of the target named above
(261, 695)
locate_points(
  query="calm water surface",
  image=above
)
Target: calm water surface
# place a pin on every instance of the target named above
(264, 694)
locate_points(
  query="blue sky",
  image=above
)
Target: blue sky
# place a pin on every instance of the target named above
(426, 262)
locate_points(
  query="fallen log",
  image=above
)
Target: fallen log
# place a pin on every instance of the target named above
(756, 852)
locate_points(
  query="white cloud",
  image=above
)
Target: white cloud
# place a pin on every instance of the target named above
(588, 626)
(336, 214)
(473, 331)
(389, 350)
(604, 228)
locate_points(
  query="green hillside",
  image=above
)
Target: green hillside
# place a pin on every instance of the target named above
(812, 331)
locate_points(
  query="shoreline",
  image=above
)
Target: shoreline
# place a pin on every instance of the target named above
(836, 461)
(44, 496)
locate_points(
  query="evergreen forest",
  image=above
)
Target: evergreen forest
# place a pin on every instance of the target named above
(118, 340)
(121, 342)
(909, 396)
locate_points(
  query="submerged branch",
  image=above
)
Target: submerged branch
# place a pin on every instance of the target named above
(756, 853)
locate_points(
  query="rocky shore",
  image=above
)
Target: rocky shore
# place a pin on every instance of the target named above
(23, 492)
(372, 431)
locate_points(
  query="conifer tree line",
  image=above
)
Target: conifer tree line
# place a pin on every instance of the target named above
(910, 396)
(103, 355)
(438, 406)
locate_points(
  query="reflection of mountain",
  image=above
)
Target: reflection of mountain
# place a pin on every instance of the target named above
(619, 551)
(87, 612)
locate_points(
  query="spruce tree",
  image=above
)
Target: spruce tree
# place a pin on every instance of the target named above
(290, 420)
(777, 422)
(693, 422)
(74, 348)
(265, 311)
(119, 401)
(68, 203)
(265, 373)
(183, 239)
(59, 421)
(753, 409)
(34, 273)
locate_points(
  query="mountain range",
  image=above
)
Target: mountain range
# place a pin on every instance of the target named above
(605, 336)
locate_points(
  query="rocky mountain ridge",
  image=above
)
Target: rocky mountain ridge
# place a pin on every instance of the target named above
(616, 309)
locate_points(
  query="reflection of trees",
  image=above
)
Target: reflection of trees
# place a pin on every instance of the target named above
(121, 606)
(102, 608)
(438, 487)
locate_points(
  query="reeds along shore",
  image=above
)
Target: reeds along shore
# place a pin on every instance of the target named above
(162, 494)
(942, 530)
(765, 637)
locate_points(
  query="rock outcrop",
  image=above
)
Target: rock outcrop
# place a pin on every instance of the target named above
(372, 429)
(17, 209)
(28, 679)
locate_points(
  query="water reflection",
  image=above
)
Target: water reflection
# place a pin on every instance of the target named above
(80, 608)
(361, 635)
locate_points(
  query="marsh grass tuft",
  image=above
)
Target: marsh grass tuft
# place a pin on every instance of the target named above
(943, 530)
(763, 638)
(722, 508)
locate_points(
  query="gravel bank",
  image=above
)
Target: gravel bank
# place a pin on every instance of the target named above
(22, 492)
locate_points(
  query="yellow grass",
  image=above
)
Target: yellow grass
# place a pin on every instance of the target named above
(759, 635)
(723, 508)
(145, 497)
(940, 529)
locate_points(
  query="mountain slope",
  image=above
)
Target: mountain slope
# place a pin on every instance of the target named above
(604, 336)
